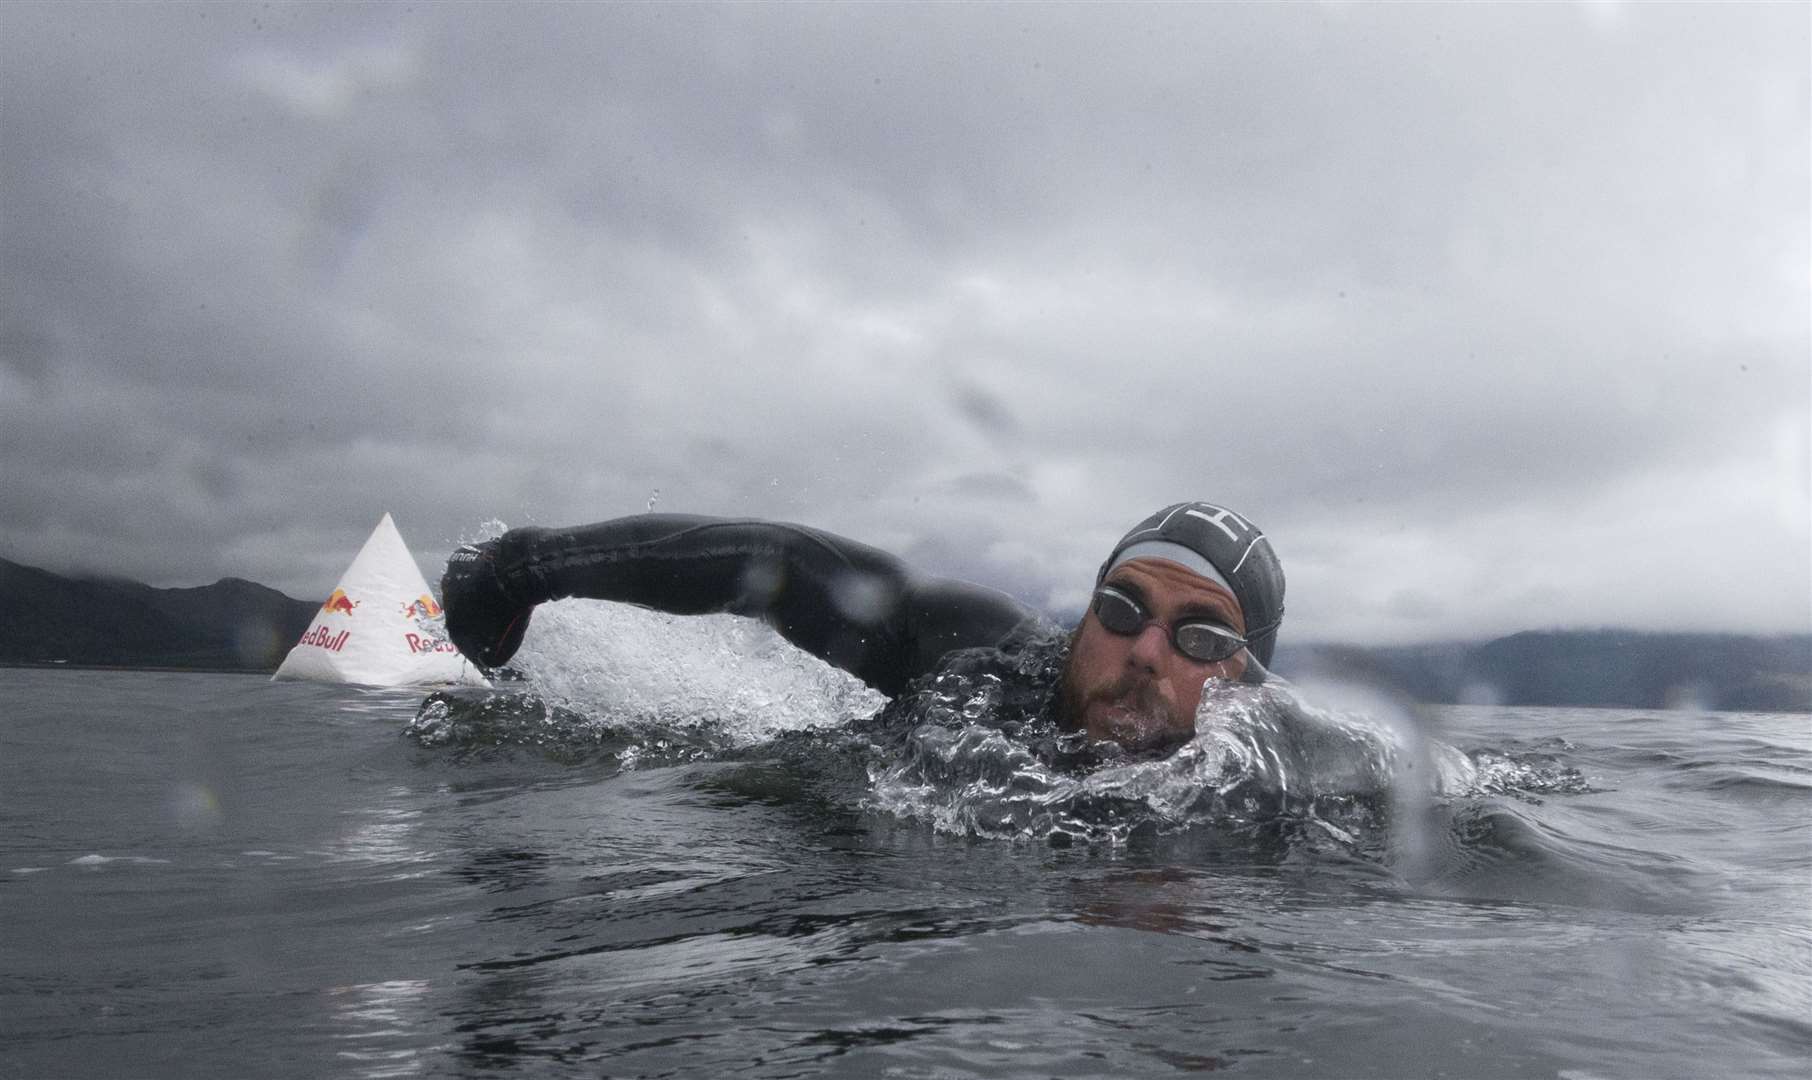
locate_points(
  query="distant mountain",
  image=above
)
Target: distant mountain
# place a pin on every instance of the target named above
(1622, 668)
(232, 624)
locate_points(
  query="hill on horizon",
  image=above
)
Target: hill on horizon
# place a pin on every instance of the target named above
(232, 624)
(1591, 668)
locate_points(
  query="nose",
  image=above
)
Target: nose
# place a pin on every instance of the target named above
(1148, 648)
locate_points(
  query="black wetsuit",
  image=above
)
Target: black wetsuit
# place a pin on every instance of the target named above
(849, 604)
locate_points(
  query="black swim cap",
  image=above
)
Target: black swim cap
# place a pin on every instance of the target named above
(1232, 545)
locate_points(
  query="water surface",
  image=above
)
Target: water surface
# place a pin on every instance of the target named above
(213, 875)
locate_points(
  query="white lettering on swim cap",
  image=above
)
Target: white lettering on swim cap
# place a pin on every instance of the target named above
(1219, 520)
(1171, 551)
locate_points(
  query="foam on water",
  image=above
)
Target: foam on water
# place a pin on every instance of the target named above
(1261, 756)
(131, 860)
(645, 688)
(1326, 764)
(629, 666)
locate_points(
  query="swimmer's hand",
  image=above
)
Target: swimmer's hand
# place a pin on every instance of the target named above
(485, 619)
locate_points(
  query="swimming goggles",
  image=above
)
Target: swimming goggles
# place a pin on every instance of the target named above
(1201, 640)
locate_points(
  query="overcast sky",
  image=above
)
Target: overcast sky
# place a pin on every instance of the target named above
(1495, 317)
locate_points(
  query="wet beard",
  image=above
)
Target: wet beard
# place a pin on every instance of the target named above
(1146, 727)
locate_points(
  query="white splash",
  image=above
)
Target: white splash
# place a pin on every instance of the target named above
(630, 666)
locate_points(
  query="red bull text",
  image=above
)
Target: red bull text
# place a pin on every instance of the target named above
(322, 637)
(420, 644)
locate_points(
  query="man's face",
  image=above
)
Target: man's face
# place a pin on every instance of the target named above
(1138, 690)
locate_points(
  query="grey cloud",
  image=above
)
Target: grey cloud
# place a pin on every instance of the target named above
(1397, 281)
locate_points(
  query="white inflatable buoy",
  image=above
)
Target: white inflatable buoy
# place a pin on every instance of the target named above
(380, 626)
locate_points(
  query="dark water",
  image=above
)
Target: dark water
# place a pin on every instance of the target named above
(216, 876)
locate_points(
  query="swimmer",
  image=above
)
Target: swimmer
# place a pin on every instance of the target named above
(1192, 593)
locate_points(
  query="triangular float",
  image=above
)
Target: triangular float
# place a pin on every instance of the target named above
(380, 626)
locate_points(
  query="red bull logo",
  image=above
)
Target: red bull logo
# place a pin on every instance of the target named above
(422, 607)
(339, 603)
(323, 638)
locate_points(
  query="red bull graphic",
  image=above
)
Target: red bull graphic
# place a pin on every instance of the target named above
(339, 603)
(419, 643)
(323, 638)
(422, 607)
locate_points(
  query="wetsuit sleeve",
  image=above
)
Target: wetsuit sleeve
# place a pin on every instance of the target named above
(852, 605)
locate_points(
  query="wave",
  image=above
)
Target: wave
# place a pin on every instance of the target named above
(1281, 767)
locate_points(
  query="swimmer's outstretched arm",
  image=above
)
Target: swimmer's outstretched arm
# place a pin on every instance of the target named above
(847, 603)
